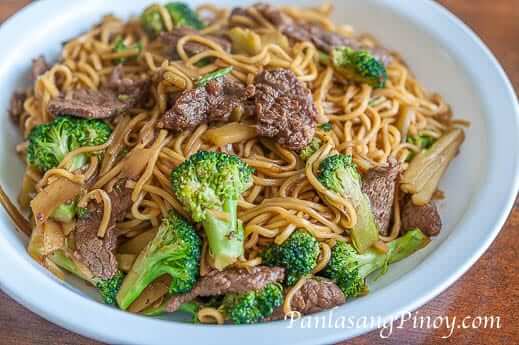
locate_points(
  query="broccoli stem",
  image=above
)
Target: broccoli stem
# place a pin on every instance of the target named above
(144, 271)
(365, 232)
(77, 162)
(406, 245)
(191, 308)
(107, 288)
(174, 251)
(225, 238)
(398, 249)
(65, 212)
(65, 262)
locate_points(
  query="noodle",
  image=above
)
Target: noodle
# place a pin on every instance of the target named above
(287, 305)
(370, 124)
(99, 195)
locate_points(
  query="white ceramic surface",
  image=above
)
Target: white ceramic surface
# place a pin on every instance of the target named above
(445, 55)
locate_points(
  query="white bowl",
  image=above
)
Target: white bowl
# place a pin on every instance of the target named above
(480, 184)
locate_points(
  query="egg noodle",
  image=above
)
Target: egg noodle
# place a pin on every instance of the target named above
(286, 195)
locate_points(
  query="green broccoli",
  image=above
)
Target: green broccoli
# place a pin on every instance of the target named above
(310, 149)
(209, 184)
(151, 21)
(82, 212)
(181, 15)
(360, 66)
(107, 288)
(241, 308)
(175, 250)
(253, 306)
(339, 174)
(65, 212)
(424, 142)
(50, 142)
(213, 75)
(327, 126)
(190, 308)
(120, 46)
(298, 255)
(349, 269)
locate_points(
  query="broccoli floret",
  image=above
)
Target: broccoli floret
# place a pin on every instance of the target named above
(209, 184)
(252, 306)
(107, 287)
(339, 174)
(269, 298)
(50, 142)
(152, 22)
(360, 66)
(298, 255)
(349, 269)
(82, 212)
(65, 212)
(213, 75)
(175, 250)
(309, 150)
(241, 308)
(181, 15)
(120, 46)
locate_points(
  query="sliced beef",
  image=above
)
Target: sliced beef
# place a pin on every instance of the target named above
(117, 96)
(426, 217)
(300, 32)
(213, 102)
(379, 184)
(98, 253)
(39, 66)
(234, 280)
(88, 104)
(284, 108)
(134, 89)
(16, 105)
(327, 40)
(170, 41)
(315, 295)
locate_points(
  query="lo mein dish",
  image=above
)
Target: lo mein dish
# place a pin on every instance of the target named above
(240, 165)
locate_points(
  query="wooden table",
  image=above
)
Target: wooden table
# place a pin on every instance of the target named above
(490, 287)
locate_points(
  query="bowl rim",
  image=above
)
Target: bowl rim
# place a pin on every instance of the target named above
(17, 274)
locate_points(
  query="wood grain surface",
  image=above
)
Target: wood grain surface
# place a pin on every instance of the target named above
(489, 288)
